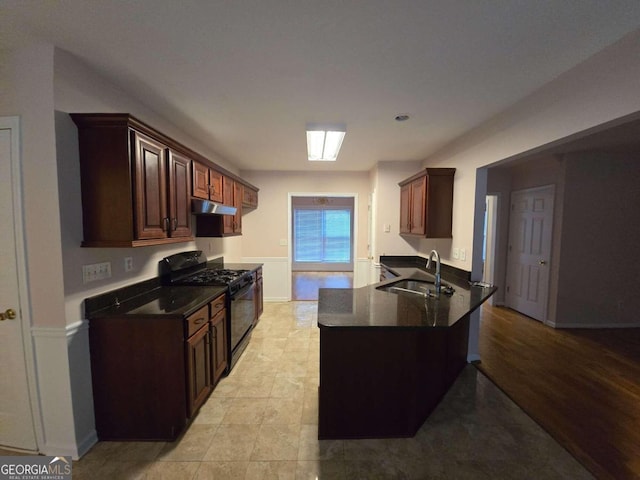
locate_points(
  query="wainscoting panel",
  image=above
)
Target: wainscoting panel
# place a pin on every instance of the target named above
(277, 280)
(62, 359)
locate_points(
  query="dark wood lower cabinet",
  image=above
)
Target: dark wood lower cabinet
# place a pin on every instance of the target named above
(199, 368)
(151, 374)
(259, 295)
(138, 374)
(220, 357)
(384, 382)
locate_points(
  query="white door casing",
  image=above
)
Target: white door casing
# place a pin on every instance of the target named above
(17, 428)
(529, 251)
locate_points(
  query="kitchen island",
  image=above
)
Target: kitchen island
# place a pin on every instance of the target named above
(387, 359)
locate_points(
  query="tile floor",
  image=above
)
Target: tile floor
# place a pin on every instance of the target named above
(261, 423)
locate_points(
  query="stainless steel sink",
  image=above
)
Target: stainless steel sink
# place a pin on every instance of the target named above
(418, 287)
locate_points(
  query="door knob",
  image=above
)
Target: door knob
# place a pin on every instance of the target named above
(542, 262)
(10, 314)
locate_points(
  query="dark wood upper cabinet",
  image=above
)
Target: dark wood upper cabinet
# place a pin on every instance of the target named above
(179, 205)
(137, 185)
(150, 187)
(249, 197)
(215, 185)
(207, 183)
(136, 188)
(200, 180)
(426, 203)
(224, 225)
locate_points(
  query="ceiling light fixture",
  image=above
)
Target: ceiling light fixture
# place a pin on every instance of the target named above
(324, 141)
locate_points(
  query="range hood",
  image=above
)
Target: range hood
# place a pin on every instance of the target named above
(207, 207)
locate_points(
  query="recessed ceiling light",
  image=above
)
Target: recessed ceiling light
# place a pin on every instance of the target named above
(402, 117)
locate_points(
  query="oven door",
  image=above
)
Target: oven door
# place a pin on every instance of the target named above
(243, 314)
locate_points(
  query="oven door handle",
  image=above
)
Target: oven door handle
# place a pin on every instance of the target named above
(243, 290)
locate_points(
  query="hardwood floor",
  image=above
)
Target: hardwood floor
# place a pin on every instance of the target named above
(582, 386)
(305, 285)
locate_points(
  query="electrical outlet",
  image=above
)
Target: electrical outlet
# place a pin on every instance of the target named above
(456, 253)
(96, 271)
(463, 254)
(128, 264)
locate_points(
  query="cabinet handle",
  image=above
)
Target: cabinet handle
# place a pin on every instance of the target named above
(175, 224)
(219, 304)
(166, 225)
(198, 321)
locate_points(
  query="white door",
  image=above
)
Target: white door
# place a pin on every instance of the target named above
(16, 420)
(529, 251)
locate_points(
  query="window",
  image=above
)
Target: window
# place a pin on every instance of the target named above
(322, 236)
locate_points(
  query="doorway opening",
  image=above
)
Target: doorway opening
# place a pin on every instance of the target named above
(322, 244)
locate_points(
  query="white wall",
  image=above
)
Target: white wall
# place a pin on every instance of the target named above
(65, 419)
(79, 89)
(387, 211)
(599, 90)
(600, 260)
(264, 229)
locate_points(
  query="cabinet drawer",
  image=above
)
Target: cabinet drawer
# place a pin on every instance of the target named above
(218, 305)
(197, 320)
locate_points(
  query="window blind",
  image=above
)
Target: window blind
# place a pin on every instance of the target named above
(322, 235)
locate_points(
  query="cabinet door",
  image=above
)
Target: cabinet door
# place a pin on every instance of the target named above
(249, 197)
(238, 193)
(150, 188)
(227, 193)
(219, 329)
(200, 379)
(405, 208)
(418, 199)
(179, 196)
(215, 186)
(200, 180)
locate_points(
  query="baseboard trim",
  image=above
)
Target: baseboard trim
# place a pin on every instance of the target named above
(593, 326)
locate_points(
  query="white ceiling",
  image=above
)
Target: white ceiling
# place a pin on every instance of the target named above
(244, 77)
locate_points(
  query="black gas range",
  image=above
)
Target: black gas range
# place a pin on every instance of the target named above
(192, 269)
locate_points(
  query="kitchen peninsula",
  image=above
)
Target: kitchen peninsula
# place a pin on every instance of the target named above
(388, 357)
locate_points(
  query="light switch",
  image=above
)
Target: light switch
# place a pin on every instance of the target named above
(463, 254)
(283, 242)
(456, 253)
(387, 228)
(128, 264)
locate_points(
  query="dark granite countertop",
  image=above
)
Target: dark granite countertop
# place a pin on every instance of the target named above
(252, 267)
(162, 301)
(371, 307)
(150, 298)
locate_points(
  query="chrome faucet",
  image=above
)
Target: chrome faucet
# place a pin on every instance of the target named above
(438, 284)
